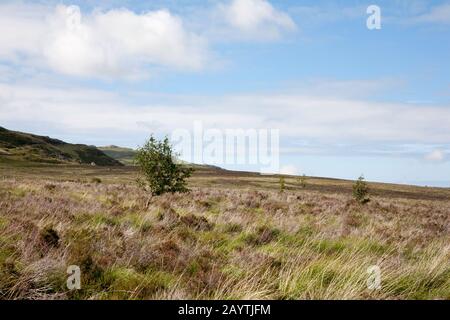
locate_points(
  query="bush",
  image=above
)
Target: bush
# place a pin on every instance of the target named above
(96, 180)
(282, 184)
(302, 181)
(361, 190)
(50, 237)
(160, 173)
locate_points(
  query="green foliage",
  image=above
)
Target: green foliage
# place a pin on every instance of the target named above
(160, 173)
(282, 184)
(361, 190)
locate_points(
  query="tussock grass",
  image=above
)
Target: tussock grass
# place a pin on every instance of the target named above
(217, 243)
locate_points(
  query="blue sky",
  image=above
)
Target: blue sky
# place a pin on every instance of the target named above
(347, 100)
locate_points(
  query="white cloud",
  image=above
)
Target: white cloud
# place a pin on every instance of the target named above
(117, 42)
(435, 156)
(437, 14)
(289, 170)
(360, 88)
(21, 27)
(256, 19)
(323, 120)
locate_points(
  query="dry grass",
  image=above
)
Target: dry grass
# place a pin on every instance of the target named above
(245, 243)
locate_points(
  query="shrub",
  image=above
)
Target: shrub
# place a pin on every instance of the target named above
(50, 237)
(361, 190)
(160, 173)
(96, 180)
(302, 181)
(282, 184)
(50, 187)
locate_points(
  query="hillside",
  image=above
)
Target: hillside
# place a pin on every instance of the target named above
(123, 155)
(126, 156)
(20, 146)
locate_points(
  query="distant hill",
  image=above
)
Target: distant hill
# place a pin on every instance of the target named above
(124, 155)
(22, 146)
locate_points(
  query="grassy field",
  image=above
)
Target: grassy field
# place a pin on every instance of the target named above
(235, 236)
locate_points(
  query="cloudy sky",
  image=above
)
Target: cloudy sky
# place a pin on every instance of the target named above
(347, 100)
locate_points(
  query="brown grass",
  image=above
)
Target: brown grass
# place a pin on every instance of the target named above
(217, 243)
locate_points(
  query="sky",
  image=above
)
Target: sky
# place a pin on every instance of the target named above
(347, 100)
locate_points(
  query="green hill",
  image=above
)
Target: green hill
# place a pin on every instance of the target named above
(124, 155)
(20, 146)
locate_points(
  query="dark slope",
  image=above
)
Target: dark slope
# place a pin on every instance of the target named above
(22, 146)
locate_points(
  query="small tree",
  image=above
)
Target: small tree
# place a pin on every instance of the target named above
(361, 190)
(302, 181)
(282, 184)
(160, 173)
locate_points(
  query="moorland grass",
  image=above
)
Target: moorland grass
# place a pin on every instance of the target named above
(217, 243)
